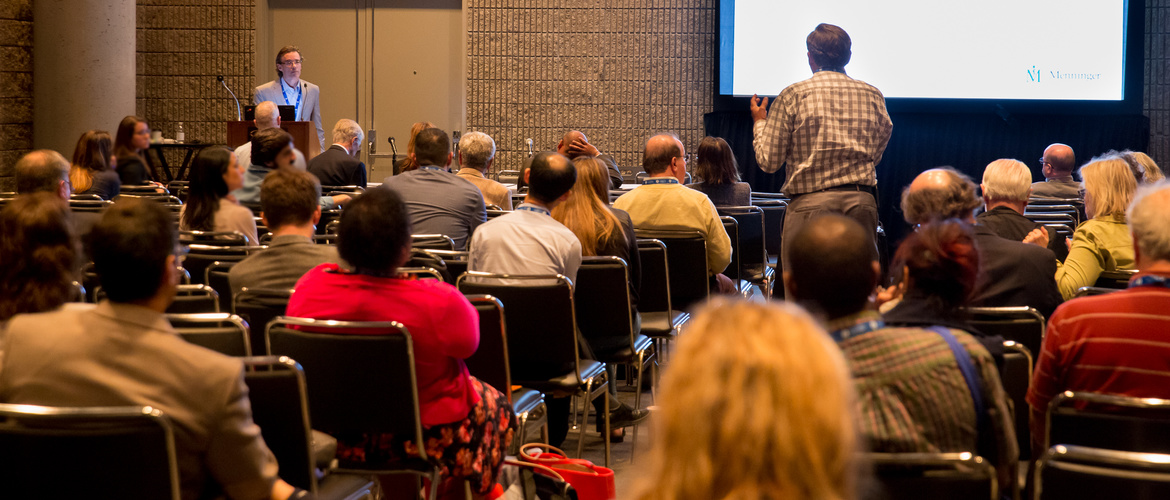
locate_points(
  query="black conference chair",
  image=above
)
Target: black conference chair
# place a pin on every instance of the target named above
(200, 256)
(1078, 472)
(94, 452)
(361, 381)
(432, 242)
(221, 332)
(954, 476)
(753, 253)
(193, 299)
(1021, 324)
(280, 407)
(660, 320)
(735, 268)
(1016, 376)
(542, 338)
(1116, 279)
(1108, 421)
(687, 259)
(215, 276)
(455, 261)
(259, 306)
(490, 364)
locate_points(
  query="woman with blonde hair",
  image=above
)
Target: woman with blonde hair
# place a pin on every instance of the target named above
(93, 166)
(756, 404)
(409, 163)
(1102, 243)
(1151, 173)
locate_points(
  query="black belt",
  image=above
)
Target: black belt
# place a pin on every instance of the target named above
(872, 190)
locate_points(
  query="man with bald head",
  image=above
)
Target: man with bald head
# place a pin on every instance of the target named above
(1059, 163)
(267, 116)
(1012, 273)
(574, 144)
(833, 273)
(664, 203)
(45, 170)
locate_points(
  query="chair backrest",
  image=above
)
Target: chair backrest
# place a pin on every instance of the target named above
(1088, 291)
(1117, 279)
(422, 272)
(490, 361)
(455, 261)
(752, 249)
(361, 375)
(200, 256)
(492, 214)
(654, 296)
(1108, 421)
(280, 406)
(258, 306)
(192, 299)
(774, 211)
(735, 268)
(96, 452)
(1016, 375)
(216, 238)
(215, 276)
(432, 242)
(602, 301)
(1077, 472)
(220, 332)
(542, 336)
(958, 476)
(1022, 324)
(687, 256)
(506, 176)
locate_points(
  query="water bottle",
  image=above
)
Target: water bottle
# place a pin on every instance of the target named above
(180, 137)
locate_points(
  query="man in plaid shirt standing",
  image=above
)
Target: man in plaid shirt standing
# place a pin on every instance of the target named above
(831, 130)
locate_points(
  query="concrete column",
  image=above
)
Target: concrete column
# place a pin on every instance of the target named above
(84, 69)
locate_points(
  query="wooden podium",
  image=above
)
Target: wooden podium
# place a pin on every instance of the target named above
(304, 135)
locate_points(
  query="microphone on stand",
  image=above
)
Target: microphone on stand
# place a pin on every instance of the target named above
(239, 115)
(529, 142)
(393, 151)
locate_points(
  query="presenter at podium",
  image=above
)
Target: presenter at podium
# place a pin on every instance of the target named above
(290, 90)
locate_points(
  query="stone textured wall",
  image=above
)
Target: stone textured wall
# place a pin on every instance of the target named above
(182, 46)
(16, 90)
(618, 71)
(1157, 79)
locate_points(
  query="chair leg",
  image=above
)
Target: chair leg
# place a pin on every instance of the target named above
(605, 436)
(522, 419)
(637, 402)
(584, 418)
(434, 490)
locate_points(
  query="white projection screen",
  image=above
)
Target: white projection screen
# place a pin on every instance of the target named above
(1068, 50)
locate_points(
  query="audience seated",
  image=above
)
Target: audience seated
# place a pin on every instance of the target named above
(1058, 164)
(93, 166)
(1011, 273)
(40, 254)
(718, 173)
(289, 209)
(338, 165)
(572, 145)
(409, 162)
(529, 241)
(664, 203)
(912, 394)
(1006, 188)
(469, 423)
(1114, 343)
(47, 171)
(272, 148)
(755, 404)
(439, 202)
(267, 115)
(215, 173)
(132, 140)
(476, 152)
(124, 352)
(1101, 243)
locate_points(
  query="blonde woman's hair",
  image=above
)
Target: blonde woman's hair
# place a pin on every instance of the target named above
(584, 213)
(1007, 179)
(1111, 184)
(1150, 168)
(756, 404)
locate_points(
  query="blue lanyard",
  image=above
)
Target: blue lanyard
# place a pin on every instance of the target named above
(431, 167)
(858, 329)
(534, 208)
(299, 95)
(1150, 280)
(661, 180)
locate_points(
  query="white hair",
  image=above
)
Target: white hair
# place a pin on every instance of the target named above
(1148, 221)
(1007, 179)
(477, 149)
(346, 130)
(266, 115)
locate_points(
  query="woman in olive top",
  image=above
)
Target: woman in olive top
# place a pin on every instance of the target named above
(1102, 243)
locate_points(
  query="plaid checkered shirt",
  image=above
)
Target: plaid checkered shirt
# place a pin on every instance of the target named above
(831, 130)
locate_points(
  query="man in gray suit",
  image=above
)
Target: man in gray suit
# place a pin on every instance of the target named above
(288, 204)
(124, 352)
(290, 90)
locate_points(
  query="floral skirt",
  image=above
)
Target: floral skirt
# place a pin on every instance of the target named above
(471, 449)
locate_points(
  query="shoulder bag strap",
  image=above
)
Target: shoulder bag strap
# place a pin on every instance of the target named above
(969, 374)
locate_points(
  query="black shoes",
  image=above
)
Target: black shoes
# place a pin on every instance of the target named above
(626, 416)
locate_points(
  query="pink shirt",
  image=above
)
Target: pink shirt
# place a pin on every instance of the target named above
(443, 326)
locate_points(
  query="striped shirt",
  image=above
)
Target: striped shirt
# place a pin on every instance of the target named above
(1117, 343)
(831, 130)
(912, 397)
